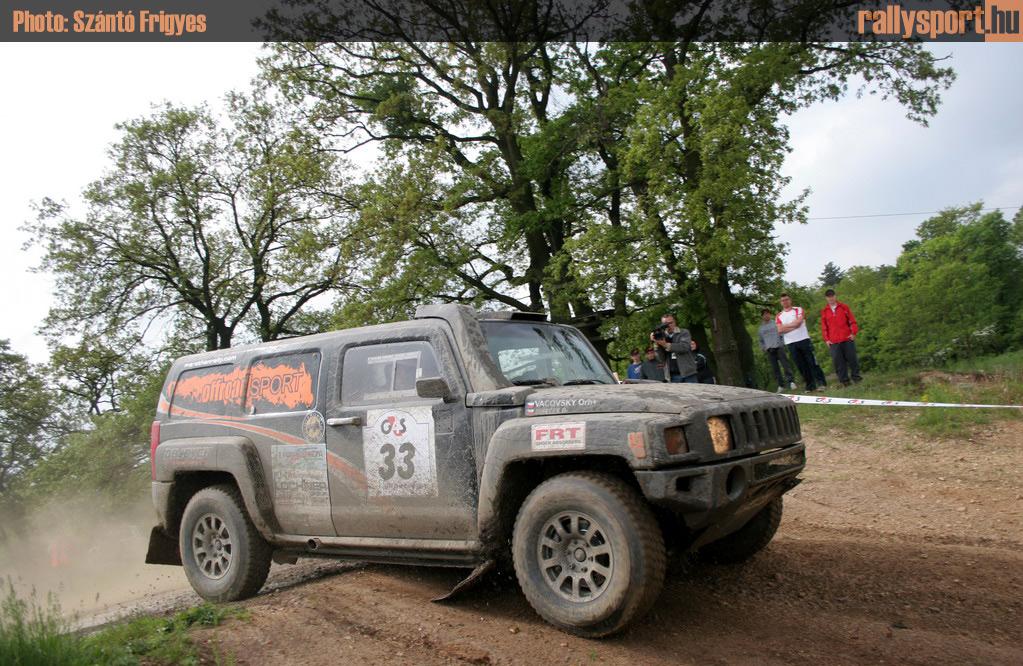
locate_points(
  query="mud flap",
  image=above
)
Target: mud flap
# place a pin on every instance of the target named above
(471, 580)
(162, 548)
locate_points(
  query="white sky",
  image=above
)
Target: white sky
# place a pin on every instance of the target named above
(858, 156)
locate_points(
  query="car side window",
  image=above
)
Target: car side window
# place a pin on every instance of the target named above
(282, 383)
(381, 373)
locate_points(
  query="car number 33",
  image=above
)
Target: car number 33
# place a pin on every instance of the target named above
(398, 446)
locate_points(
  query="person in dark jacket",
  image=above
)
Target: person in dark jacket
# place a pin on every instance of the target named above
(839, 328)
(652, 369)
(674, 350)
(703, 371)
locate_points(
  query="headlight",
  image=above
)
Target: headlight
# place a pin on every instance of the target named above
(720, 434)
(675, 440)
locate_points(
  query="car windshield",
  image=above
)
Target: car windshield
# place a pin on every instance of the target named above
(539, 353)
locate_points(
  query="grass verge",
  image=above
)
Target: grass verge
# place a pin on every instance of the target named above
(990, 380)
(35, 632)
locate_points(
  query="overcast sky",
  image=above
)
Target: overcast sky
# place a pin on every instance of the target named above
(858, 156)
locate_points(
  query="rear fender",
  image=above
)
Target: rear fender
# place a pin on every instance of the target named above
(184, 462)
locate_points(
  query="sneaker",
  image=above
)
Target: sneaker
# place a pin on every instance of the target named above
(780, 390)
(792, 385)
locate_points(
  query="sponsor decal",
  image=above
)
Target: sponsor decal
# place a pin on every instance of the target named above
(398, 447)
(301, 491)
(180, 453)
(281, 385)
(558, 436)
(559, 405)
(313, 428)
(285, 384)
(637, 443)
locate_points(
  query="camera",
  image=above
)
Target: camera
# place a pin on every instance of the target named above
(661, 332)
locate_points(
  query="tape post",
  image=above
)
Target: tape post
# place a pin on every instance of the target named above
(864, 402)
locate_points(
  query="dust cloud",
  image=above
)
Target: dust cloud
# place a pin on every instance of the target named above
(90, 557)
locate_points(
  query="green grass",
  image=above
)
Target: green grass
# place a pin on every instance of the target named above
(34, 632)
(988, 380)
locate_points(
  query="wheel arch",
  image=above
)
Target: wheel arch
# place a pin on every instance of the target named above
(501, 499)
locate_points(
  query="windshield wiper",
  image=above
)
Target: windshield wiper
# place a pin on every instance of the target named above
(575, 382)
(549, 381)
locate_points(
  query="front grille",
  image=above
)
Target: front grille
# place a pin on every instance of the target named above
(758, 428)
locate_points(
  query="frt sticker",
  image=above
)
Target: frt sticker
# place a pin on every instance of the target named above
(558, 437)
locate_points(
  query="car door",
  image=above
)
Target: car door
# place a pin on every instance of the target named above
(403, 466)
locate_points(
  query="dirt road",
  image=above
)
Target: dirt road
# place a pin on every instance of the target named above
(894, 550)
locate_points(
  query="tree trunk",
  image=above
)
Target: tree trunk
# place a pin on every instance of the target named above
(742, 339)
(726, 350)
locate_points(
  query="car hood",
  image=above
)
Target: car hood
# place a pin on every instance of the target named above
(650, 397)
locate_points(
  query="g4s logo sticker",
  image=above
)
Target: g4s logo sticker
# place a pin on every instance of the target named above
(392, 425)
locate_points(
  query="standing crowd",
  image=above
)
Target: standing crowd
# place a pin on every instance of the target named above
(787, 330)
(673, 355)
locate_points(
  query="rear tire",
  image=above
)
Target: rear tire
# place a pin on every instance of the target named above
(588, 553)
(748, 540)
(224, 556)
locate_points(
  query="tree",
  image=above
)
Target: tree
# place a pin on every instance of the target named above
(831, 275)
(708, 144)
(198, 225)
(675, 158)
(28, 415)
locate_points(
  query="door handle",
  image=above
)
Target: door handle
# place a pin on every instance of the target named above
(349, 420)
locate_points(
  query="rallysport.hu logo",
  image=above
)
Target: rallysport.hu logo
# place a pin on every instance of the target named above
(997, 20)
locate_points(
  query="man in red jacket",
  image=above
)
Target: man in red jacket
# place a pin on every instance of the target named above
(839, 327)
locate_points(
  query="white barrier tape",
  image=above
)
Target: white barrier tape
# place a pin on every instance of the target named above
(826, 400)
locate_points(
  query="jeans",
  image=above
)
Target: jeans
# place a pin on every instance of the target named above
(779, 359)
(843, 356)
(802, 354)
(679, 379)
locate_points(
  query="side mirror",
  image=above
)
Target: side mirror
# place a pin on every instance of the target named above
(433, 387)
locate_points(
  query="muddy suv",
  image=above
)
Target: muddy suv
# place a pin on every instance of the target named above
(462, 439)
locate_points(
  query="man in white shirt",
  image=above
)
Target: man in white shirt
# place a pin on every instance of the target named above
(791, 322)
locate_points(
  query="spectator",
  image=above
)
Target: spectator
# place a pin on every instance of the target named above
(839, 328)
(635, 369)
(651, 368)
(673, 349)
(771, 343)
(791, 323)
(703, 372)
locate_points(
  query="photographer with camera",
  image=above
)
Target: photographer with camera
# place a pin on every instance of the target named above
(673, 345)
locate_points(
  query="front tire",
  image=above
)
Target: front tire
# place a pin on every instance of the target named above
(748, 540)
(224, 556)
(588, 553)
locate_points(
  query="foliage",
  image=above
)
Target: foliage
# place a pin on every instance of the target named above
(108, 460)
(34, 632)
(831, 275)
(201, 225)
(155, 640)
(30, 416)
(591, 181)
(953, 293)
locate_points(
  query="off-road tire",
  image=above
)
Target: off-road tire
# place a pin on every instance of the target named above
(250, 554)
(748, 540)
(619, 519)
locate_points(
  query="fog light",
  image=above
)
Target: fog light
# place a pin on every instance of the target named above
(675, 440)
(720, 434)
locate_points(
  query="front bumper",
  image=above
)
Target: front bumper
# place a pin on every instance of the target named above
(708, 494)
